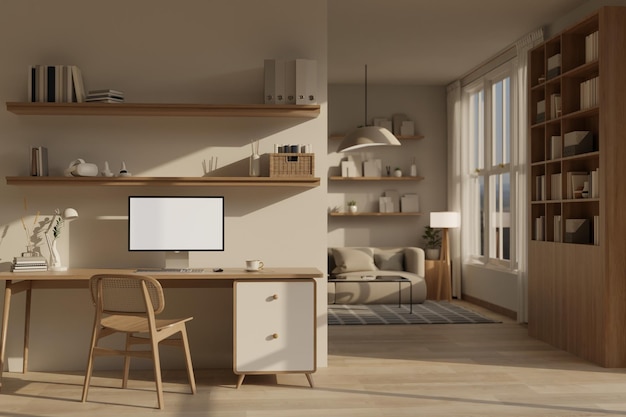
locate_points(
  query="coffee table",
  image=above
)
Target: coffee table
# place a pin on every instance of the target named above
(380, 279)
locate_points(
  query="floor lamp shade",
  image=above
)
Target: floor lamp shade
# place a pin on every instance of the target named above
(365, 136)
(445, 220)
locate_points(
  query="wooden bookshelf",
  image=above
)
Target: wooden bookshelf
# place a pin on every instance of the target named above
(305, 182)
(163, 110)
(576, 290)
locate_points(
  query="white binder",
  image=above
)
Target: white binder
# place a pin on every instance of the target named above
(306, 81)
(274, 81)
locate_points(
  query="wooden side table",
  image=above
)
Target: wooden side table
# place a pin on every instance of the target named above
(432, 268)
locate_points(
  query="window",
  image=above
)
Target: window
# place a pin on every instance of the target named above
(488, 112)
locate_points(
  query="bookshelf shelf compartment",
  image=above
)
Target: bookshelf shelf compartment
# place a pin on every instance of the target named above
(166, 181)
(357, 179)
(163, 110)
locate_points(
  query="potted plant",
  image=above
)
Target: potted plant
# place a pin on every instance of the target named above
(397, 172)
(433, 242)
(352, 206)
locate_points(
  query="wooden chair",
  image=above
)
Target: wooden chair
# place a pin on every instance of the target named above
(129, 304)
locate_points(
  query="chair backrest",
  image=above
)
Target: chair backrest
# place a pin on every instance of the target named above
(126, 294)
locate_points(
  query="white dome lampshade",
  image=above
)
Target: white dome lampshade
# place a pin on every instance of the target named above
(366, 136)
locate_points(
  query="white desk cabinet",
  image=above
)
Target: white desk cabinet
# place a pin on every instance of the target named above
(275, 327)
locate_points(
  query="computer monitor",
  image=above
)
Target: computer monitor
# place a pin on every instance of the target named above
(176, 225)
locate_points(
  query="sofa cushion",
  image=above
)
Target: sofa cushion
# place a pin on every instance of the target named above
(353, 259)
(390, 260)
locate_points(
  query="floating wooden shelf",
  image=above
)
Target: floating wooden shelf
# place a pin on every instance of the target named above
(375, 178)
(400, 137)
(163, 110)
(370, 214)
(307, 182)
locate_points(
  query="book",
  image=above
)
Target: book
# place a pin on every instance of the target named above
(577, 231)
(106, 91)
(103, 100)
(557, 228)
(38, 161)
(555, 187)
(77, 82)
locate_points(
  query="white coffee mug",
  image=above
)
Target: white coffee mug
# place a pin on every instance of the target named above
(254, 265)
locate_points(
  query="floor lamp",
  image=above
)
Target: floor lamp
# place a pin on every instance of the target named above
(445, 220)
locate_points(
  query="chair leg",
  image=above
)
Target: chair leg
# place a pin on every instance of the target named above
(190, 375)
(88, 372)
(126, 362)
(157, 371)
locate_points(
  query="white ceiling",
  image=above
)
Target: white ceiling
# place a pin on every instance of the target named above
(428, 42)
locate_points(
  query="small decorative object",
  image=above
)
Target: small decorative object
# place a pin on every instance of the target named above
(106, 171)
(56, 224)
(585, 192)
(352, 207)
(433, 242)
(397, 172)
(255, 160)
(413, 168)
(80, 168)
(123, 171)
(388, 169)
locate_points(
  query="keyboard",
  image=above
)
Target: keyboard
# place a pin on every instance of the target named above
(171, 270)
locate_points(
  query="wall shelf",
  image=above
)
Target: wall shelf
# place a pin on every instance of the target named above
(371, 214)
(306, 182)
(400, 137)
(163, 110)
(375, 178)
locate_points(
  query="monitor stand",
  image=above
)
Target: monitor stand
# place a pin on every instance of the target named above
(177, 260)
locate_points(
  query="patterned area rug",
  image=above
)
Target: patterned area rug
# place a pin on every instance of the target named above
(430, 312)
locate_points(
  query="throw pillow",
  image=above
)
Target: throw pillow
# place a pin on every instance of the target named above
(389, 260)
(353, 259)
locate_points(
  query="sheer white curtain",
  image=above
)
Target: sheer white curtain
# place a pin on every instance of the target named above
(522, 47)
(455, 179)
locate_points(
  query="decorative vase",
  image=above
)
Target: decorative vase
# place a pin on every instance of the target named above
(432, 253)
(255, 165)
(397, 173)
(55, 261)
(352, 209)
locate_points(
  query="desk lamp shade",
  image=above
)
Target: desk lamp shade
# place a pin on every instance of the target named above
(366, 136)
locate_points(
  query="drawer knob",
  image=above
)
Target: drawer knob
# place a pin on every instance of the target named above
(275, 296)
(275, 336)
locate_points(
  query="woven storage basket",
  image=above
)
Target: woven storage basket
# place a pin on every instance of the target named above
(292, 164)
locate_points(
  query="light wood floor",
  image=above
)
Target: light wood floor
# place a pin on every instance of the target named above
(403, 370)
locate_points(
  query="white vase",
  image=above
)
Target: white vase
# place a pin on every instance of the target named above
(55, 262)
(352, 209)
(255, 165)
(397, 173)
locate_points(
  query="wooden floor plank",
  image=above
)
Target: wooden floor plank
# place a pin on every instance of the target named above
(394, 370)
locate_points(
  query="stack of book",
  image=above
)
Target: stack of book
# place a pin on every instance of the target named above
(29, 263)
(105, 96)
(55, 84)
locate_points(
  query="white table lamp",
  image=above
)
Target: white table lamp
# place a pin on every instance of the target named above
(445, 220)
(55, 259)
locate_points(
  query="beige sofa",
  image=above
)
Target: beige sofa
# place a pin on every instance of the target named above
(406, 262)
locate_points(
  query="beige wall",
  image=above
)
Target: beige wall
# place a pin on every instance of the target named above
(426, 106)
(158, 51)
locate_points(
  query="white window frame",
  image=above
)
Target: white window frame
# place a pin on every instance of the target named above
(488, 170)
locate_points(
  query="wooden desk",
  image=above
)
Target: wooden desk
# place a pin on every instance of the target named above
(16, 283)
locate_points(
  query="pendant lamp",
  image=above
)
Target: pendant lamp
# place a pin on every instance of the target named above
(365, 135)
